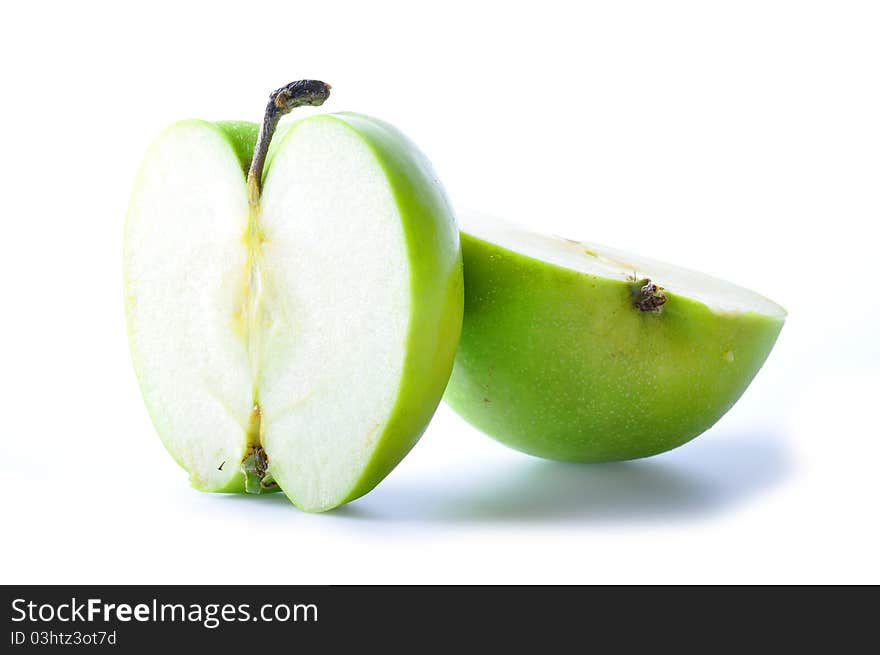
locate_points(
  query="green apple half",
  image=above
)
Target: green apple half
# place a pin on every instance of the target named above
(579, 352)
(302, 340)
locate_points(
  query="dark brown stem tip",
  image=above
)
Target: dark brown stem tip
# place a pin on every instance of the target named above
(647, 296)
(298, 94)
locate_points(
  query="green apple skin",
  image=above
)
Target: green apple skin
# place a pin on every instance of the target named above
(436, 283)
(560, 364)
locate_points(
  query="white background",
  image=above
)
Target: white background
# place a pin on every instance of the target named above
(740, 138)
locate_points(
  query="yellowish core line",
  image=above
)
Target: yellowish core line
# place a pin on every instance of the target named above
(253, 334)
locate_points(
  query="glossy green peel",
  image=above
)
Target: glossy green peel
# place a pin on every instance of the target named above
(567, 365)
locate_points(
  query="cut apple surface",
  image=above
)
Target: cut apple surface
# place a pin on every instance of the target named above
(580, 352)
(303, 343)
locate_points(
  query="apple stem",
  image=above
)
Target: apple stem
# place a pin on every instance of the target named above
(281, 101)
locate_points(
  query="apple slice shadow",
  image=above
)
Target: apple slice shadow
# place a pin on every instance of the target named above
(701, 479)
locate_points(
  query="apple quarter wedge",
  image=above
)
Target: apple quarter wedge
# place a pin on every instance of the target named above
(304, 345)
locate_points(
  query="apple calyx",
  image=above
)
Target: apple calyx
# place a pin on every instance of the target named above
(255, 464)
(255, 467)
(647, 296)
